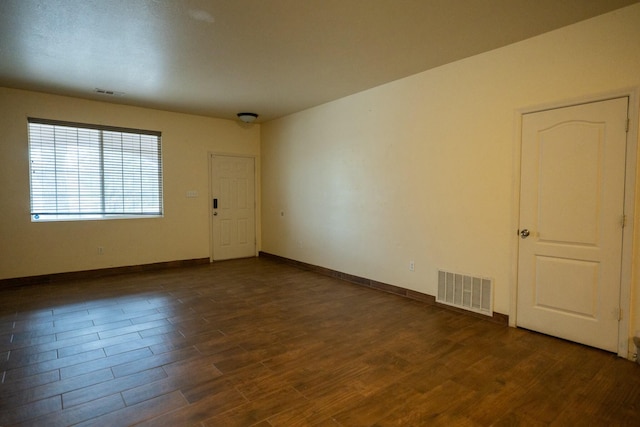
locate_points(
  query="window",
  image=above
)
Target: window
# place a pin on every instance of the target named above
(83, 171)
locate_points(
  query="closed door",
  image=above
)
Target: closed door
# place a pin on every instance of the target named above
(571, 221)
(233, 232)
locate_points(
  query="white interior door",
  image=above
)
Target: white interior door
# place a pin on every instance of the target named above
(233, 207)
(571, 222)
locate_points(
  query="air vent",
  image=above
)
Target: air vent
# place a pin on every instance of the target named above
(108, 92)
(467, 292)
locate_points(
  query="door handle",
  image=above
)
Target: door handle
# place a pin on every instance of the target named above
(524, 233)
(215, 214)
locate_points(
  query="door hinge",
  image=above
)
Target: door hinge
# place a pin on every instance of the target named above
(623, 221)
(627, 125)
(619, 314)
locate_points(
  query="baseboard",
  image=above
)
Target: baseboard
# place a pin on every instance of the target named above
(102, 272)
(385, 287)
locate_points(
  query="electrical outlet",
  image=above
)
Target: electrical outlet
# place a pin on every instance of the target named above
(100, 250)
(412, 266)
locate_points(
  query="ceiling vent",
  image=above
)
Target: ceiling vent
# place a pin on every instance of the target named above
(108, 92)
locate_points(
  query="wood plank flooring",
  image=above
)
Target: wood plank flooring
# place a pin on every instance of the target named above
(256, 342)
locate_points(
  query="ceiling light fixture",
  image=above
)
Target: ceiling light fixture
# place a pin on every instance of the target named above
(247, 117)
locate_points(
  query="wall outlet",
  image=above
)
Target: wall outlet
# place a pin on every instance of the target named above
(412, 266)
(100, 250)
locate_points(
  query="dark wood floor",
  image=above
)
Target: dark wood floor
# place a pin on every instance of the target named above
(259, 343)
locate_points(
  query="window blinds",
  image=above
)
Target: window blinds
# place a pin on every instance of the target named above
(89, 172)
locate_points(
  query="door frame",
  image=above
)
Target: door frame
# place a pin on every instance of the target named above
(256, 211)
(625, 348)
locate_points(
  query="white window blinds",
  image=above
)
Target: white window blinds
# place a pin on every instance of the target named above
(91, 172)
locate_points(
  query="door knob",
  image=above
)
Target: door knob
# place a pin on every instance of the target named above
(215, 214)
(524, 233)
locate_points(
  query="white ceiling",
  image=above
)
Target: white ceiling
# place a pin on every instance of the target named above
(272, 57)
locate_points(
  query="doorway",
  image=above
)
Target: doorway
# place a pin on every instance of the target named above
(572, 206)
(232, 208)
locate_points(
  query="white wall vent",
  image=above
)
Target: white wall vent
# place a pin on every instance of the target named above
(466, 292)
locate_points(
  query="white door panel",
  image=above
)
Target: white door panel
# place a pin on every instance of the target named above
(571, 205)
(233, 207)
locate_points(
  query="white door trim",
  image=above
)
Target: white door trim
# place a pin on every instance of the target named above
(257, 213)
(625, 347)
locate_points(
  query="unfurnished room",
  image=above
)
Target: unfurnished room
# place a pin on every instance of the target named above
(319, 213)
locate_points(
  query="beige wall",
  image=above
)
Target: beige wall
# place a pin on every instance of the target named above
(426, 168)
(28, 249)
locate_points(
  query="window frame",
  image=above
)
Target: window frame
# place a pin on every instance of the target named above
(149, 173)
